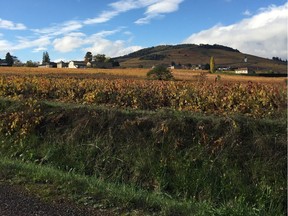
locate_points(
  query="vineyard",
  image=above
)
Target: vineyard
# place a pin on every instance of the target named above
(252, 99)
(210, 145)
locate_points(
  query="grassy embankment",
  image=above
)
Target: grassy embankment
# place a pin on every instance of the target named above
(165, 162)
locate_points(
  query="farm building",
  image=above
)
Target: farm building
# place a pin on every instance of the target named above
(62, 64)
(243, 71)
(77, 64)
(48, 65)
(172, 67)
(3, 63)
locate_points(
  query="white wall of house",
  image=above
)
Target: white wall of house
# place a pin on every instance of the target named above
(71, 65)
(242, 71)
(45, 66)
(77, 64)
(61, 65)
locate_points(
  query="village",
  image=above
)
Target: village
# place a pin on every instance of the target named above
(101, 61)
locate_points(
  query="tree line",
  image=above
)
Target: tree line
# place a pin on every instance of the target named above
(11, 60)
(100, 58)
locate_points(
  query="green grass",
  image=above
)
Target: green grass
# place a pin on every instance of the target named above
(168, 162)
(52, 183)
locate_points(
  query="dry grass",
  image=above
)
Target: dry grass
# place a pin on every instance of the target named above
(200, 75)
(32, 71)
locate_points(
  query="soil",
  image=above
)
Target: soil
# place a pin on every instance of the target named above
(16, 201)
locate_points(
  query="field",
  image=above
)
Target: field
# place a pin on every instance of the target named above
(182, 75)
(203, 144)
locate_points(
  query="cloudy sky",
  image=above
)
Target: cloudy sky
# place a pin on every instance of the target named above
(67, 29)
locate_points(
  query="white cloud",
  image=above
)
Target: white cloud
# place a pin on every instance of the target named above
(247, 13)
(59, 29)
(5, 45)
(39, 49)
(66, 37)
(102, 18)
(154, 8)
(38, 44)
(24, 43)
(6, 24)
(111, 48)
(99, 44)
(158, 9)
(167, 6)
(69, 42)
(264, 34)
(96, 43)
(116, 8)
(104, 33)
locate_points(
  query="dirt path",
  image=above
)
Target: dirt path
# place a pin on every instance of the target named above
(15, 201)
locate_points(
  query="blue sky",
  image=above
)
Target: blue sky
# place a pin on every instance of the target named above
(67, 29)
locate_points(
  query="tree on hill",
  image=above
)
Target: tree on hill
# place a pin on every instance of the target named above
(9, 59)
(212, 65)
(278, 59)
(46, 58)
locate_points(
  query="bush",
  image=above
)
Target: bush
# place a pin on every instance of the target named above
(160, 73)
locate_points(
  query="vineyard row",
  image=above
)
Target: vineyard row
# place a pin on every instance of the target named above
(251, 99)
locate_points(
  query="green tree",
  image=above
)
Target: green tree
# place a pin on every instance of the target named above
(207, 66)
(9, 59)
(115, 64)
(16, 61)
(46, 58)
(88, 57)
(30, 63)
(212, 65)
(160, 73)
(99, 58)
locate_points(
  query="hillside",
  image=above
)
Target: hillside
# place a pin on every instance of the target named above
(191, 54)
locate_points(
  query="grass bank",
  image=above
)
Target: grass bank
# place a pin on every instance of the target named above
(198, 165)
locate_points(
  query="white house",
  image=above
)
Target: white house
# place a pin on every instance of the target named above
(77, 64)
(62, 64)
(242, 71)
(48, 65)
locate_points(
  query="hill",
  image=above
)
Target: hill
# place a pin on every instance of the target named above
(191, 54)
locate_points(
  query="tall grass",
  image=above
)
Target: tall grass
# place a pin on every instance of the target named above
(231, 164)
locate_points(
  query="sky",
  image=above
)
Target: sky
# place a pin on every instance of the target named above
(67, 29)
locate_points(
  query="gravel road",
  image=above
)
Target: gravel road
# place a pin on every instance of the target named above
(16, 201)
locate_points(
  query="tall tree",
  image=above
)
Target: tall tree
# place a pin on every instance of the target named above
(100, 58)
(30, 63)
(16, 61)
(88, 57)
(9, 59)
(46, 58)
(212, 65)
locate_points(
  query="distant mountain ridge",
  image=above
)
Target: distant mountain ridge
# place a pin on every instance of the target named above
(192, 54)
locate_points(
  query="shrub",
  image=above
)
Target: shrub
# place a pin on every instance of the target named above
(160, 73)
